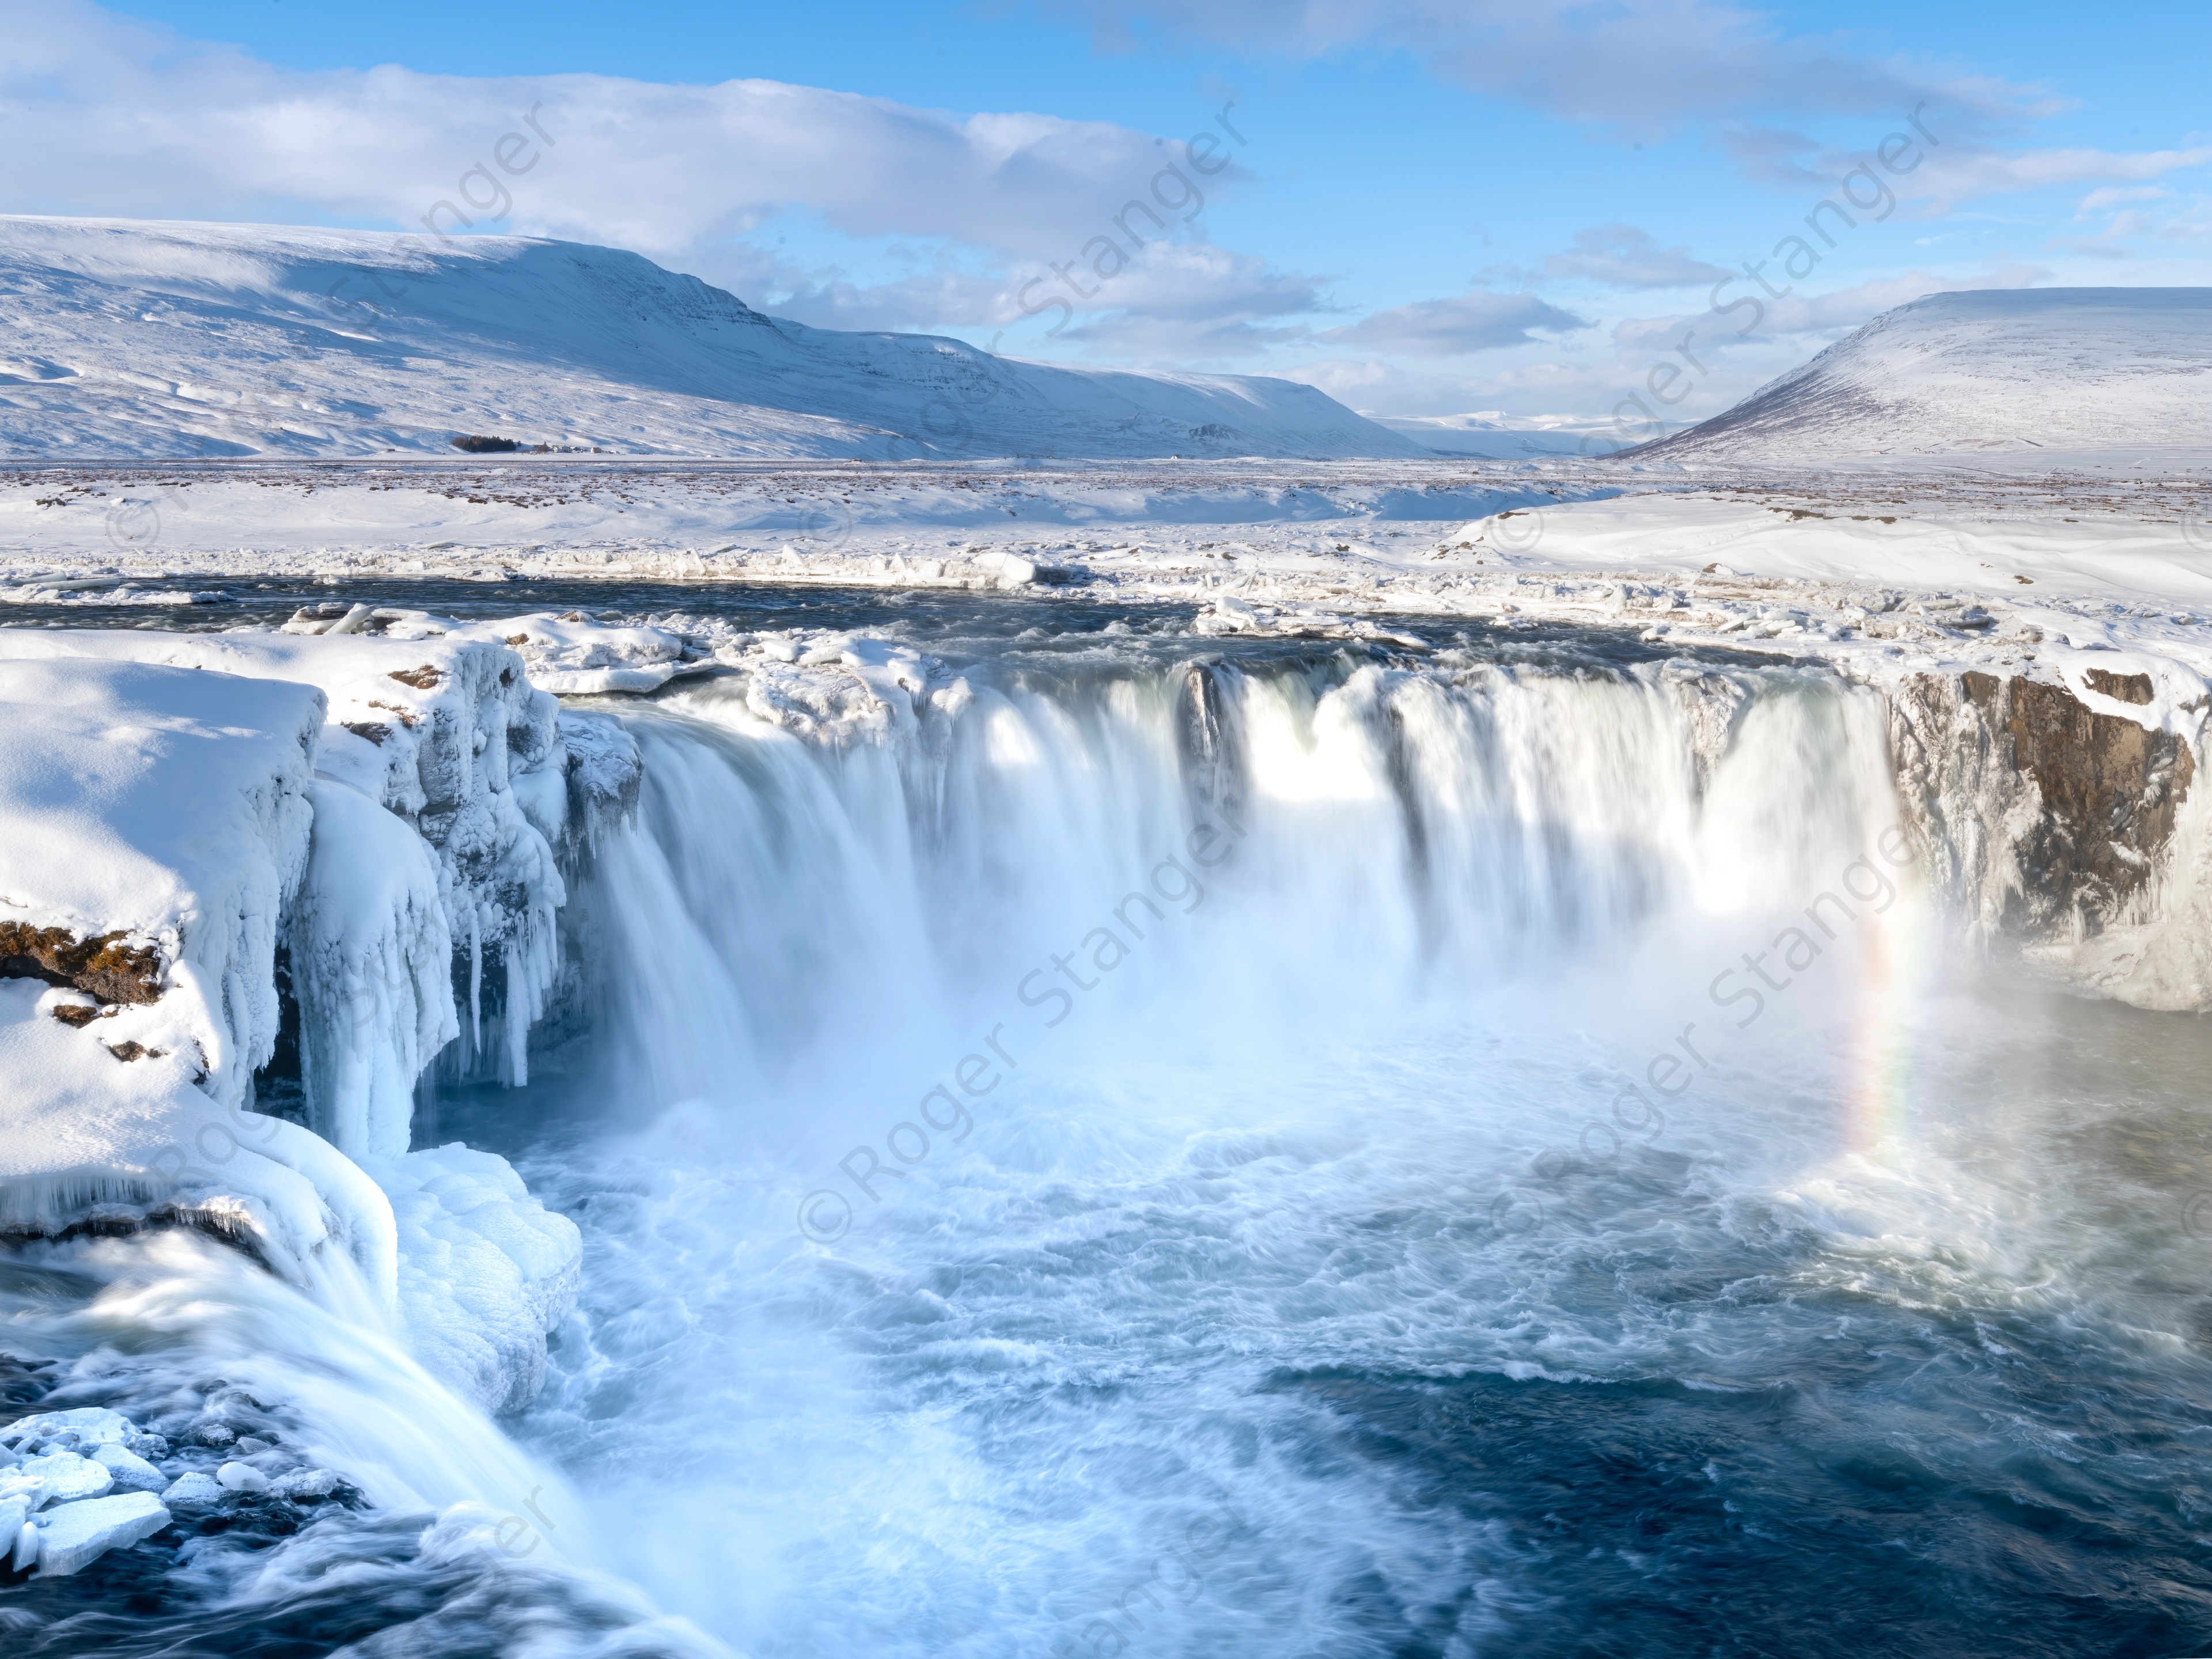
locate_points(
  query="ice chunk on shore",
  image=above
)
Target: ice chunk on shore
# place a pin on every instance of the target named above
(77, 1535)
(64, 1477)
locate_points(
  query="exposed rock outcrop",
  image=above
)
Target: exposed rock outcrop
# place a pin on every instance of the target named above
(2058, 825)
(106, 966)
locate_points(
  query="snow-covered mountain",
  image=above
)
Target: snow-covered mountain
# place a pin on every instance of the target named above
(2069, 369)
(163, 339)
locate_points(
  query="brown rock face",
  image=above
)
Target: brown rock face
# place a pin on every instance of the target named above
(104, 966)
(2048, 811)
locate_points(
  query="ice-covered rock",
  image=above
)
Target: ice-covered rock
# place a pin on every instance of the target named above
(139, 1139)
(447, 733)
(485, 1271)
(174, 806)
(64, 1477)
(153, 826)
(604, 776)
(76, 1536)
(372, 958)
(194, 1490)
(306, 1485)
(235, 1476)
(95, 1425)
(571, 656)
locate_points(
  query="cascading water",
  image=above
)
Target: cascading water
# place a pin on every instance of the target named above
(1296, 1150)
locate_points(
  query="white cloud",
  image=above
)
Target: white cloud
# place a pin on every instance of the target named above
(104, 114)
(1644, 67)
(2097, 200)
(1952, 177)
(1637, 65)
(1834, 313)
(1622, 256)
(1475, 321)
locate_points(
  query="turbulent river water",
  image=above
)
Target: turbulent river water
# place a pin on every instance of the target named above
(1278, 1148)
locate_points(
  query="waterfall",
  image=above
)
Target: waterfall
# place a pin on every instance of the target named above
(1298, 836)
(1278, 1146)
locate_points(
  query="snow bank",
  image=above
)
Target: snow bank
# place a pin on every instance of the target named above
(93, 1138)
(166, 812)
(448, 734)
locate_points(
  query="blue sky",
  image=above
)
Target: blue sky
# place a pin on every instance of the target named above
(1437, 207)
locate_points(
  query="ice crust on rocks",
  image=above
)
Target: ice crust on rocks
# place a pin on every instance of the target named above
(570, 656)
(377, 807)
(449, 735)
(485, 1271)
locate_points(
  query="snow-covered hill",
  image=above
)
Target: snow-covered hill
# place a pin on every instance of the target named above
(149, 339)
(2069, 370)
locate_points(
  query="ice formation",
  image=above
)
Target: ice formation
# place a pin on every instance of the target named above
(174, 811)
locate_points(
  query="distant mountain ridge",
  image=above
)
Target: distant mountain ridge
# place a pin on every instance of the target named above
(165, 340)
(2080, 369)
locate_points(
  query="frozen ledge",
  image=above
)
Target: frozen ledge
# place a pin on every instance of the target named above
(176, 809)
